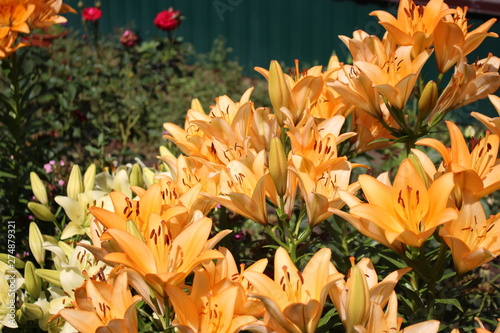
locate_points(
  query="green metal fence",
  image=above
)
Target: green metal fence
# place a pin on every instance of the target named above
(257, 30)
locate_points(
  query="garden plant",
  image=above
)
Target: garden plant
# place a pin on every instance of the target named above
(349, 203)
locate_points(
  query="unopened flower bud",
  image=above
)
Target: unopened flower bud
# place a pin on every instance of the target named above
(136, 176)
(41, 212)
(420, 169)
(50, 276)
(32, 281)
(428, 100)
(358, 299)
(278, 90)
(278, 165)
(196, 105)
(35, 241)
(75, 183)
(38, 188)
(133, 230)
(89, 178)
(30, 312)
(80, 4)
(97, 4)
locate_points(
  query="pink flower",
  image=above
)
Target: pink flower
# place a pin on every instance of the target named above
(92, 14)
(128, 38)
(48, 167)
(168, 19)
(60, 182)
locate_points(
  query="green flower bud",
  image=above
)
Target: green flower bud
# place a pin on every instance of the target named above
(30, 312)
(279, 92)
(32, 281)
(278, 165)
(132, 229)
(428, 100)
(50, 276)
(41, 212)
(136, 176)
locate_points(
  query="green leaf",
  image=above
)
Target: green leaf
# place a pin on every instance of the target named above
(395, 262)
(7, 175)
(452, 301)
(324, 320)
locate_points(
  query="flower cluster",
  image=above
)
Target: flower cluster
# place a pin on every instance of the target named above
(23, 16)
(141, 236)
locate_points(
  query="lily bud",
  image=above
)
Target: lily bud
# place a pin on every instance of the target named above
(50, 275)
(6, 258)
(75, 183)
(428, 100)
(278, 165)
(420, 169)
(41, 212)
(279, 93)
(30, 312)
(132, 229)
(358, 299)
(136, 176)
(148, 177)
(38, 188)
(89, 178)
(196, 105)
(32, 281)
(35, 240)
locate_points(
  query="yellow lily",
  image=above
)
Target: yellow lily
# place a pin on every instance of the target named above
(414, 24)
(453, 40)
(291, 97)
(99, 305)
(476, 171)
(407, 211)
(472, 238)
(294, 300)
(164, 257)
(493, 124)
(354, 297)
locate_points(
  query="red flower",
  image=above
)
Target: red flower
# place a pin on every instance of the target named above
(91, 14)
(168, 19)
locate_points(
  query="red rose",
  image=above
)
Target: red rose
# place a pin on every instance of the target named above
(91, 14)
(168, 19)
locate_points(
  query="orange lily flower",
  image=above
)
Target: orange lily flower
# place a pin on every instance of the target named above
(295, 95)
(395, 77)
(7, 44)
(207, 310)
(357, 88)
(13, 17)
(493, 124)
(164, 257)
(293, 293)
(46, 13)
(472, 238)
(414, 24)
(407, 211)
(380, 322)
(99, 306)
(476, 171)
(453, 40)
(243, 189)
(468, 84)
(353, 298)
